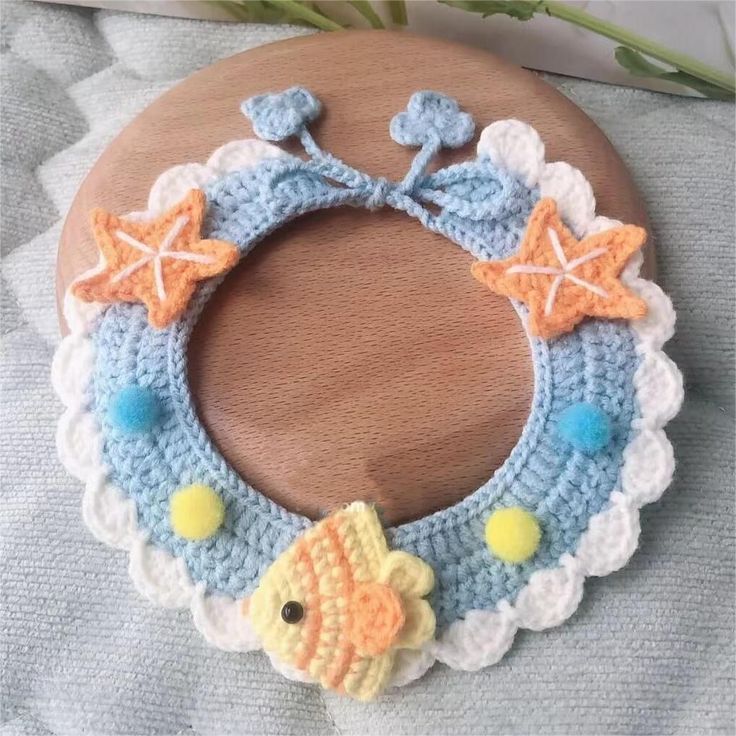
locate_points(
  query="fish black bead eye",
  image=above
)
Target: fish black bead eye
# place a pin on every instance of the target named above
(292, 612)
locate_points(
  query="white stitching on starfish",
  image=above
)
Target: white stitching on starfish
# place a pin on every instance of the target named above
(151, 254)
(562, 273)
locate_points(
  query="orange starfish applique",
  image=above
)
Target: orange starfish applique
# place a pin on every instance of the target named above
(561, 279)
(158, 262)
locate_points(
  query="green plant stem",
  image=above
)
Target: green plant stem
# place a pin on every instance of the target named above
(397, 8)
(366, 10)
(310, 16)
(683, 62)
(233, 8)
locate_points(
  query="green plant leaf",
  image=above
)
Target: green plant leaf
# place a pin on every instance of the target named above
(697, 75)
(639, 66)
(519, 9)
(397, 8)
(699, 85)
(258, 11)
(278, 11)
(303, 11)
(635, 63)
(367, 11)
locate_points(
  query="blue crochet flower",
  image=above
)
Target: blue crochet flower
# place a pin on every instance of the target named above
(276, 117)
(429, 115)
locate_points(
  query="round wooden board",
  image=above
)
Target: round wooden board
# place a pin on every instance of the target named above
(352, 355)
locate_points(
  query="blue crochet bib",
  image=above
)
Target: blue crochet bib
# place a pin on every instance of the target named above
(453, 586)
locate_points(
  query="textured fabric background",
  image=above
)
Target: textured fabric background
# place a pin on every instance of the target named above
(650, 651)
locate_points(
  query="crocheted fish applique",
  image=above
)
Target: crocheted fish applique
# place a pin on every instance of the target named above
(563, 280)
(157, 262)
(338, 604)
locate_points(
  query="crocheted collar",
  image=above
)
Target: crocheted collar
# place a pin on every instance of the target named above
(343, 601)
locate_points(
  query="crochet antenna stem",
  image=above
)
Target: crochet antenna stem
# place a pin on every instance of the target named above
(428, 151)
(310, 145)
(329, 165)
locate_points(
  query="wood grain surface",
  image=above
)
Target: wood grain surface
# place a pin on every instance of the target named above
(352, 355)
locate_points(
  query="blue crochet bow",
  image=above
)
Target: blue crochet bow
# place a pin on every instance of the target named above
(480, 207)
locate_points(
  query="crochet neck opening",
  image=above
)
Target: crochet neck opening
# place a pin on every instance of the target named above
(366, 365)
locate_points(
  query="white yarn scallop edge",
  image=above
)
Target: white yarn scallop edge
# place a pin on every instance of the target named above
(110, 516)
(483, 636)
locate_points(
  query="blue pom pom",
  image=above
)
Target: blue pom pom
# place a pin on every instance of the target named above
(585, 426)
(432, 115)
(276, 117)
(134, 409)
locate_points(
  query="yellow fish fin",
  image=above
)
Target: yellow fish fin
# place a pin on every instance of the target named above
(419, 624)
(406, 574)
(363, 539)
(368, 677)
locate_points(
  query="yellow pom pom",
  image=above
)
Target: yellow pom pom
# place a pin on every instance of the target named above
(196, 512)
(513, 534)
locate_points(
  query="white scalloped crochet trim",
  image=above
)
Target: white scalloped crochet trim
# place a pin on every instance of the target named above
(110, 516)
(483, 636)
(552, 595)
